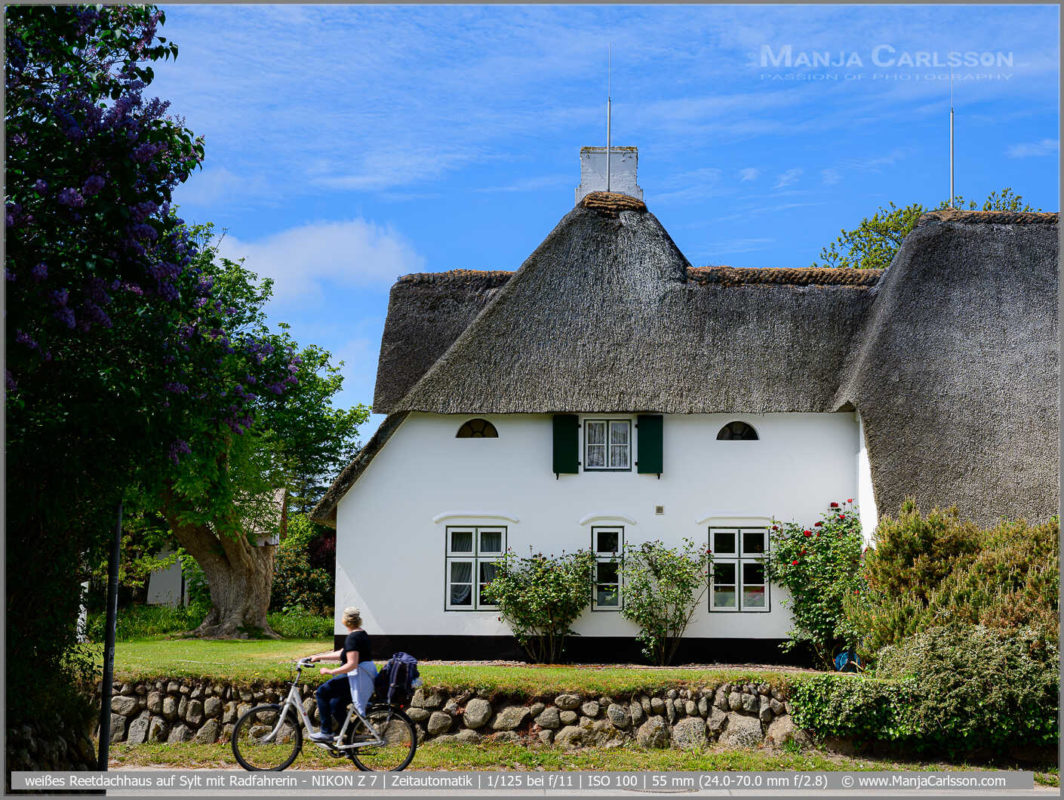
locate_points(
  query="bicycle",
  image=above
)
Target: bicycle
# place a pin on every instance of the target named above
(269, 737)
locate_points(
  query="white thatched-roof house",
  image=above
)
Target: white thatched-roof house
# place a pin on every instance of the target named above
(608, 392)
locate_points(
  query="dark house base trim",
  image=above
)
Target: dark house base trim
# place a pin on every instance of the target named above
(580, 649)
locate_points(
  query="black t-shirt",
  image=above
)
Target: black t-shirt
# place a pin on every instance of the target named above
(356, 641)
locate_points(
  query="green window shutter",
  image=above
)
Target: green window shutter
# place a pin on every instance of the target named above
(566, 444)
(649, 460)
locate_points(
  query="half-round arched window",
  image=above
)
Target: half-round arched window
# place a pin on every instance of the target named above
(478, 429)
(737, 431)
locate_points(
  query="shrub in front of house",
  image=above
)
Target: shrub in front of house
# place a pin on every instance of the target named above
(979, 687)
(539, 597)
(958, 691)
(929, 570)
(662, 588)
(819, 564)
(297, 582)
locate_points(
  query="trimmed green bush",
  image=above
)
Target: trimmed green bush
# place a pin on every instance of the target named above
(946, 690)
(979, 687)
(855, 707)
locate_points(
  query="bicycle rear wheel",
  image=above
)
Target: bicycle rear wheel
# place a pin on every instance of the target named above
(399, 740)
(255, 751)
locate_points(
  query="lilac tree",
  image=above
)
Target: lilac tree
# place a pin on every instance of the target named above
(123, 353)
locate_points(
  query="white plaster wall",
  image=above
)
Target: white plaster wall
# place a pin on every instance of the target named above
(391, 524)
(866, 497)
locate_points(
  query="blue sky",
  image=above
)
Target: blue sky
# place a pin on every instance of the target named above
(348, 145)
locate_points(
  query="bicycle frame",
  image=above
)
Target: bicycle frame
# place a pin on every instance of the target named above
(293, 700)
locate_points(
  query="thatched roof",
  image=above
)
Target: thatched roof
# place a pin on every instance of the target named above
(426, 313)
(325, 511)
(955, 373)
(607, 315)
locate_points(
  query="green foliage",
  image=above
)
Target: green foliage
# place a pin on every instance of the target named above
(662, 587)
(978, 687)
(854, 707)
(298, 585)
(298, 623)
(540, 597)
(820, 566)
(928, 571)
(140, 622)
(875, 240)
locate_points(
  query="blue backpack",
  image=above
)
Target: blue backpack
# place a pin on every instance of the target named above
(396, 680)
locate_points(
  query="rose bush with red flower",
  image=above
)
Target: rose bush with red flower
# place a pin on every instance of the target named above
(819, 572)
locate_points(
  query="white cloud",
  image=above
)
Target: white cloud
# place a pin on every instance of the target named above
(1046, 147)
(830, 176)
(749, 174)
(789, 177)
(302, 260)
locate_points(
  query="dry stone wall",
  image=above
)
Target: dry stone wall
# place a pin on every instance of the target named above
(733, 715)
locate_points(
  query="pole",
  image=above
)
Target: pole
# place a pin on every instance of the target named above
(609, 101)
(951, 193)
(109, 647)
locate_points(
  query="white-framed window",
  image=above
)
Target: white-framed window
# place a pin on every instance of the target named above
(608, 444)
(738, 573)
(470, 565)
(608, 546)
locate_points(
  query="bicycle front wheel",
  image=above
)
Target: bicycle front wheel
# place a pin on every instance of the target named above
(262, 741)
(398, 740)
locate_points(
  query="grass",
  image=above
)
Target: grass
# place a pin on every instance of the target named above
(506, 756)
(259, 661)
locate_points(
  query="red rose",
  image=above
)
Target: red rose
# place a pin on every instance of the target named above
(817, 524)
(842, 516)
(850, 500)
(808, 533)
(834, 505)
(803, 552)
(794, 563)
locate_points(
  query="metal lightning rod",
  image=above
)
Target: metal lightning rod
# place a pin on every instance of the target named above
(609, 111)
(951, 194)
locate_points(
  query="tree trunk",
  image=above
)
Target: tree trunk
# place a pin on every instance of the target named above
(239, 576)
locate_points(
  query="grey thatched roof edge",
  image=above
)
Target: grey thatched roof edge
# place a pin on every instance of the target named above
(324, 512)
(990, 217)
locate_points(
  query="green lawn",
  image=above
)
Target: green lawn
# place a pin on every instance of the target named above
(260, 660)
(506, 756)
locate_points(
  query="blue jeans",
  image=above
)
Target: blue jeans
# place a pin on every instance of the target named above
(333, 697)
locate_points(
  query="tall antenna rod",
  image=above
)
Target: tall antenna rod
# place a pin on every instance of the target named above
(609, 111)
(951, 194)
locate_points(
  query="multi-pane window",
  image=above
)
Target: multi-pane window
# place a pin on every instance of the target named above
(470, 565)
(738, 574)
(607, 545)
(608, 444)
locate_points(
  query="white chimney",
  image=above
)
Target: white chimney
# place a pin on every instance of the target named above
(623, 163)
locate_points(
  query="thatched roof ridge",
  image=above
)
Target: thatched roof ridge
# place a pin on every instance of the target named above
(611, 203)
(466, 278)
(607, 315)
(990, 217)
(324, 512)
(805, 276)
(955, 373)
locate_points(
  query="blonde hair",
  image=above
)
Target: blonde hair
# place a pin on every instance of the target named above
(352, 617)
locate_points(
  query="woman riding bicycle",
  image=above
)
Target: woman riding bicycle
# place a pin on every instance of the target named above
(354, 681)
